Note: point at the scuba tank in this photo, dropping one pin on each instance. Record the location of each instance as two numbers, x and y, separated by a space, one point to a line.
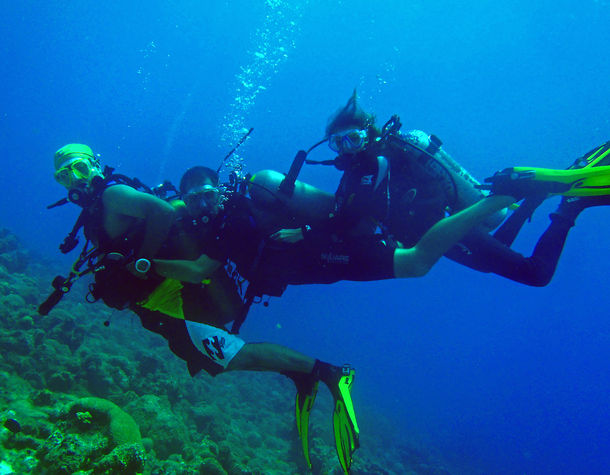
428 149
303 203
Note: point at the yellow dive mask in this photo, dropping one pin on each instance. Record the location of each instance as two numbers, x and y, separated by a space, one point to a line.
73 172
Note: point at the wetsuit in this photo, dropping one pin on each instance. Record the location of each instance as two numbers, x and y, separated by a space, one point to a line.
389 185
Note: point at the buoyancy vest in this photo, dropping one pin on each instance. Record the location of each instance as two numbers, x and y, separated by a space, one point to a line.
383 183
106 257
405 189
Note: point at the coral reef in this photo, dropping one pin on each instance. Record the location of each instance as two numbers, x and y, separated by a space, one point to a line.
77 396
12 257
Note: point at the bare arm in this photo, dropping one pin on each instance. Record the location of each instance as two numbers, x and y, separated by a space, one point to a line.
187 271
417 261
122 200
288 235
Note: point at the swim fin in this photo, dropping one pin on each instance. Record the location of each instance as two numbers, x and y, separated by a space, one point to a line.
345 426
590 181
307 389
588 176
303 405
599 156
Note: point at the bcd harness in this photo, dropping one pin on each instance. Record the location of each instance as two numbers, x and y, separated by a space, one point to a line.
237 209
390 137
89 261
97 260
390 140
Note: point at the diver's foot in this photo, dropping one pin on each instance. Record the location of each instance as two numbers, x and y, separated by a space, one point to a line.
330 375
582 202
304 382
571 206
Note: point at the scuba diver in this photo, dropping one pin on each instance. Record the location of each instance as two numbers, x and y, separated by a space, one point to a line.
134 240
232 226
215 226
248 230
403 183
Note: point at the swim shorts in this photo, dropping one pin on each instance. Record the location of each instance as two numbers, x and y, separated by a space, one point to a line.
216 344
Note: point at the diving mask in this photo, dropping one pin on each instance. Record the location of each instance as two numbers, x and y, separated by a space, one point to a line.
75 171
348 141
205 198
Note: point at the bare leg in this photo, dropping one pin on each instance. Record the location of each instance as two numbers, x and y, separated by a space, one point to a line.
418 260
270 357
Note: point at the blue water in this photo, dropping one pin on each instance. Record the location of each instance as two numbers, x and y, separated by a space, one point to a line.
498 377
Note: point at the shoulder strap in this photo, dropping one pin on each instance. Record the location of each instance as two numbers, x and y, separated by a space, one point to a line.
383 170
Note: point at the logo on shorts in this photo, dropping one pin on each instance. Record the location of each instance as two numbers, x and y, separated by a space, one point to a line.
213 347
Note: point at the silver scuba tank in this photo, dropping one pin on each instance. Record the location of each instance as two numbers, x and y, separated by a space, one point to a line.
451 174
306 203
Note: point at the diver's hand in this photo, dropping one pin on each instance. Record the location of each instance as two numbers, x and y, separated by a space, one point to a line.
288 235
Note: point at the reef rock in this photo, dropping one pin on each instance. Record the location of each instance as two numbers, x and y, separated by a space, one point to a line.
12 256
155 416
93 434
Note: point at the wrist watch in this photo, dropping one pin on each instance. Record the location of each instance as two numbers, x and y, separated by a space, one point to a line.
143 266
